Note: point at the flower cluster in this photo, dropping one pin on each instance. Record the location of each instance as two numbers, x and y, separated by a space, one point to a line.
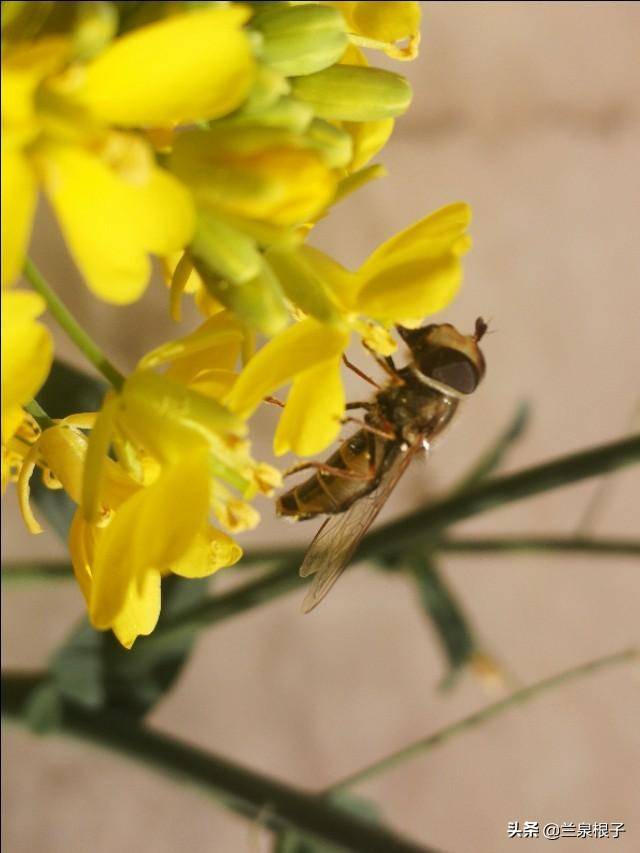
212 136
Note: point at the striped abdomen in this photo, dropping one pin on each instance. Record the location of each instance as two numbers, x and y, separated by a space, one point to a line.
361 457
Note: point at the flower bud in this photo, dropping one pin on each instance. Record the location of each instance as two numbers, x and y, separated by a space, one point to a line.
334 144
302 285
301 39
285 114
352 93
258 302
268 86
260 174
97 24
225 250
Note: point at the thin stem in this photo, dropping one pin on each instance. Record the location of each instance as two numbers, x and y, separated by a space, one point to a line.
517 698
484 544
260 798
417 529
31 572
493 493
39 415
19 572
71 326
542 544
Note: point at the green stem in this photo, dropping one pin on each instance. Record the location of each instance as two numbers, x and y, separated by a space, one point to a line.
32 572
542 544
39 415
260 798
484 544
419 529
18 572
71 326
517 698
493 493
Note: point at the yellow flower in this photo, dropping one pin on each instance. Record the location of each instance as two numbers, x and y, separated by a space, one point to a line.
384 26
147 514
161 528
63 128
27 352
414 274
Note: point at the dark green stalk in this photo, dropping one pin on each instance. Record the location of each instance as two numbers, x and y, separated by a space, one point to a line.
517 698
542 544
258 797
32 572
27 571
72 327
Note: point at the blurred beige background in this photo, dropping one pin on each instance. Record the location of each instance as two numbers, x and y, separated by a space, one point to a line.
530 111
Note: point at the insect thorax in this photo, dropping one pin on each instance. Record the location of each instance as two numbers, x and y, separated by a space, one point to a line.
415 409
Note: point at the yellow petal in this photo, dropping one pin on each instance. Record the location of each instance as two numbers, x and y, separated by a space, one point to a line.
444 226
386 23
211 550
369 137
81 548
341 282
418 271
218 341
111 224
311 418
290 353
27 352
166 418
150 531
411 290
19 193
64 451
187 67
24 67
139 615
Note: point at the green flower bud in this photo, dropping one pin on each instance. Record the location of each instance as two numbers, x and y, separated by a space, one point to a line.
354 93
268 86
225 251
301 284
96 25
286 114
301 39
334 144
259 302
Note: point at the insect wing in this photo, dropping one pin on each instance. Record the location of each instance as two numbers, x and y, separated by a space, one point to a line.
336 541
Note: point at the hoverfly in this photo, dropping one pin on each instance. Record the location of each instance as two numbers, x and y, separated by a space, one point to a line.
352 485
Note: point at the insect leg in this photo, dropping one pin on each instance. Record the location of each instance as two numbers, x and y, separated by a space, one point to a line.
389 435
386 363
363 405
360 373
273 401
343 473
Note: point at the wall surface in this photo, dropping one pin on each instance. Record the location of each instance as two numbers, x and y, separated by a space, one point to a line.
530 111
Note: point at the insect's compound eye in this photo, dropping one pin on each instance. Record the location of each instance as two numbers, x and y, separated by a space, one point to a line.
451 367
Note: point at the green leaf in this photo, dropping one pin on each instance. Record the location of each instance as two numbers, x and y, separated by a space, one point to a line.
495 454
43 711
290 841
94 670
447 617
